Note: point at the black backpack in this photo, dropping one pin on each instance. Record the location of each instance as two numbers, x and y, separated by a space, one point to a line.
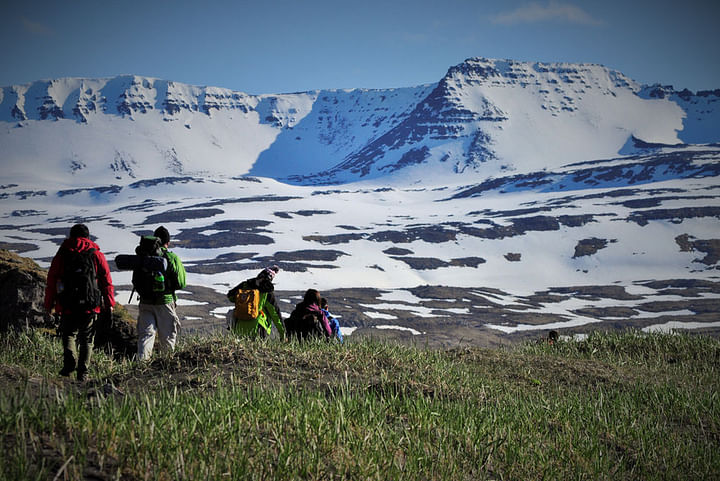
303 324
79 288
150 278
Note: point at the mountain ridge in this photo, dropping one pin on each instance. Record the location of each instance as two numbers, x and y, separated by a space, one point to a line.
130 127
174 91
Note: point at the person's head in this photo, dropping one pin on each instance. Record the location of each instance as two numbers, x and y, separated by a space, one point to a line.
79 230
323 303
268 273
552 336
163 234
312 296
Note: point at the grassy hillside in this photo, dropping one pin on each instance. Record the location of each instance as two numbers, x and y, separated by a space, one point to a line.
615 406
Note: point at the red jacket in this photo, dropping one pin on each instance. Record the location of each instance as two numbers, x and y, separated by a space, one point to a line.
102 270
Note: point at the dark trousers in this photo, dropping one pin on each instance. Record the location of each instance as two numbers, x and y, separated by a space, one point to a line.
78 334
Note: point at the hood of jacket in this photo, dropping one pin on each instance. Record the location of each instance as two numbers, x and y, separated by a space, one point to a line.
79 244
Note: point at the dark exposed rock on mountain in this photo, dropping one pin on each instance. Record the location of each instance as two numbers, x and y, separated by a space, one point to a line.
710 247
296 261
675 215
588 247
620 172
429 263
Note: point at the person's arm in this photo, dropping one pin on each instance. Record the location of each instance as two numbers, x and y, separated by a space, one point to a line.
180 271
52 278
335 325
325 324
105 280
272 309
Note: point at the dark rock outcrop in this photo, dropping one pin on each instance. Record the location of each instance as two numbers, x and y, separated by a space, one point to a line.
22 291
117 333
588 247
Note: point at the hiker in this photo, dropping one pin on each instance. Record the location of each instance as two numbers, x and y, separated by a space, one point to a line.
307 319
156 311
334 324
256 321
79 287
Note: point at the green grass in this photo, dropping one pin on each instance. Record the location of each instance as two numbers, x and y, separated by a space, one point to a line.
615 406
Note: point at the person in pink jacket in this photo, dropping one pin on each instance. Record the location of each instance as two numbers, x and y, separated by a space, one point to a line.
307 320
79 286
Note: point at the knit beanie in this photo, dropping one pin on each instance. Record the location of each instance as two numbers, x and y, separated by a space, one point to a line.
162 234
79 230
269 272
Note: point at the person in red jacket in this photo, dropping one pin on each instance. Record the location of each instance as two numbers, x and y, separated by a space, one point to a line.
79 286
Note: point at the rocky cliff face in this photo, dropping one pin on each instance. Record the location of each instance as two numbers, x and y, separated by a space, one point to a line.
125 96
22 290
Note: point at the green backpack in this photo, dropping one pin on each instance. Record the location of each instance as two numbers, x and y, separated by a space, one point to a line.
151 278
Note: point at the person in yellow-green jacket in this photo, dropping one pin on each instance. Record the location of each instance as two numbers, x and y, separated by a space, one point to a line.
268 308
156 311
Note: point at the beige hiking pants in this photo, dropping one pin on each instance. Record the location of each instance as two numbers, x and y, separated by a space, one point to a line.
156 319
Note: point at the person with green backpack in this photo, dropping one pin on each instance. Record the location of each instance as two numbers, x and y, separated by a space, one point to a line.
256 308
156 288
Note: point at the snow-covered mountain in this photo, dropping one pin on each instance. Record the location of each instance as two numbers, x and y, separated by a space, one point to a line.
492 116
485 117
128 128
537 195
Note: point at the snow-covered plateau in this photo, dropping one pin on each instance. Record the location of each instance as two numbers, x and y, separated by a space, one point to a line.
507 199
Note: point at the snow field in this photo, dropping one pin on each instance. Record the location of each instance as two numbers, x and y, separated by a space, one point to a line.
638 253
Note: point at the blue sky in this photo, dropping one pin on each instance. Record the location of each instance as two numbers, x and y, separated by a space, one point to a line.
279 46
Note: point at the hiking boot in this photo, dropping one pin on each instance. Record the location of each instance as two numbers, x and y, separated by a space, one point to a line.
82 376
65 372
